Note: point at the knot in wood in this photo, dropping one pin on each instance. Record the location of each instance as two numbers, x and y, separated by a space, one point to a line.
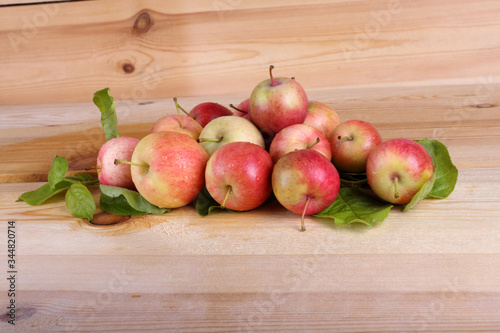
142 23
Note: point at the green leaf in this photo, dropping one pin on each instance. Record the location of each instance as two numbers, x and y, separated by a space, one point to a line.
205 204
57 171
421 194
446 173
82 178
131 203
351 206
80 202
106 104
43 193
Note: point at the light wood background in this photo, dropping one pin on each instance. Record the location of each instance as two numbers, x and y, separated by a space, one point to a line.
431 71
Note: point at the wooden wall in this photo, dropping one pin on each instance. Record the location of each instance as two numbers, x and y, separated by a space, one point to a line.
145 49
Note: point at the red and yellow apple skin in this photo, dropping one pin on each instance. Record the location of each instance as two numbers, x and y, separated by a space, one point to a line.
242 168
278 103
245 107
299 136
116 175
171 123
303 175
352 142
403 160
173 171
322 117
203 113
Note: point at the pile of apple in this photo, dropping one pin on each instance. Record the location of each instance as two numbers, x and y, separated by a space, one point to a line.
277 142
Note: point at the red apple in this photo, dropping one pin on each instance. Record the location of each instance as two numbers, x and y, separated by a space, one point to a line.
238 176
277 103
116 175
243 109
352 142
168 168
178 123
305 182
299 136
322 117
397 169
206 112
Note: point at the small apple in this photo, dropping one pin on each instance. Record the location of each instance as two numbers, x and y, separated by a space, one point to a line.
238 176
168 168
305 182
178 123
322 117
116 175
277 103
299 136
203 113
227 129
352 142
243 109
397 169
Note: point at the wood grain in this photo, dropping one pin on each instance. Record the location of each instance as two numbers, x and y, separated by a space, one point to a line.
156 49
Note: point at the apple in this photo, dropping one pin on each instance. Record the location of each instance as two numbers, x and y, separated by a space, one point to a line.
277 103
168 168
322 117
299 136
243 109
205 112
238 176
397 169
305 182
116 175
227 129
352 142
178 123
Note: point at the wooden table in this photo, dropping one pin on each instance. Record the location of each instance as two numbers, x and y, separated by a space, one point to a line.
435 268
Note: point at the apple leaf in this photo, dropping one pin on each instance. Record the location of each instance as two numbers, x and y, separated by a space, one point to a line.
446 173
80 202
421 194
351 205
57 171
106 104
205 204
122 201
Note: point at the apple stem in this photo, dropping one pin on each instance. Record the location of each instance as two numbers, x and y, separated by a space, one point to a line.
345 138
180 107
229 189
293 78
396 192
219 139
273 83
314 144
95 167
140 165
302 225
240 110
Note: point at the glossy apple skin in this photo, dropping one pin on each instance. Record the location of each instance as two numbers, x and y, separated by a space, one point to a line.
322 117
402 158
305 173
176 171
351 156
171 123
244 106
230 129
116 175
205 112
246 168
274 107
299 136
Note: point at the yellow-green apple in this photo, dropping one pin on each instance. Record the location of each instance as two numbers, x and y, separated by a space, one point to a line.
243 109
397 169
277 103
322 117
116 175
227 129
168 168
305 182
352 142
238 176
178 123
299 136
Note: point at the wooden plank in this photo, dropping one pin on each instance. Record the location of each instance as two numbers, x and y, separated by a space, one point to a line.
224 47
